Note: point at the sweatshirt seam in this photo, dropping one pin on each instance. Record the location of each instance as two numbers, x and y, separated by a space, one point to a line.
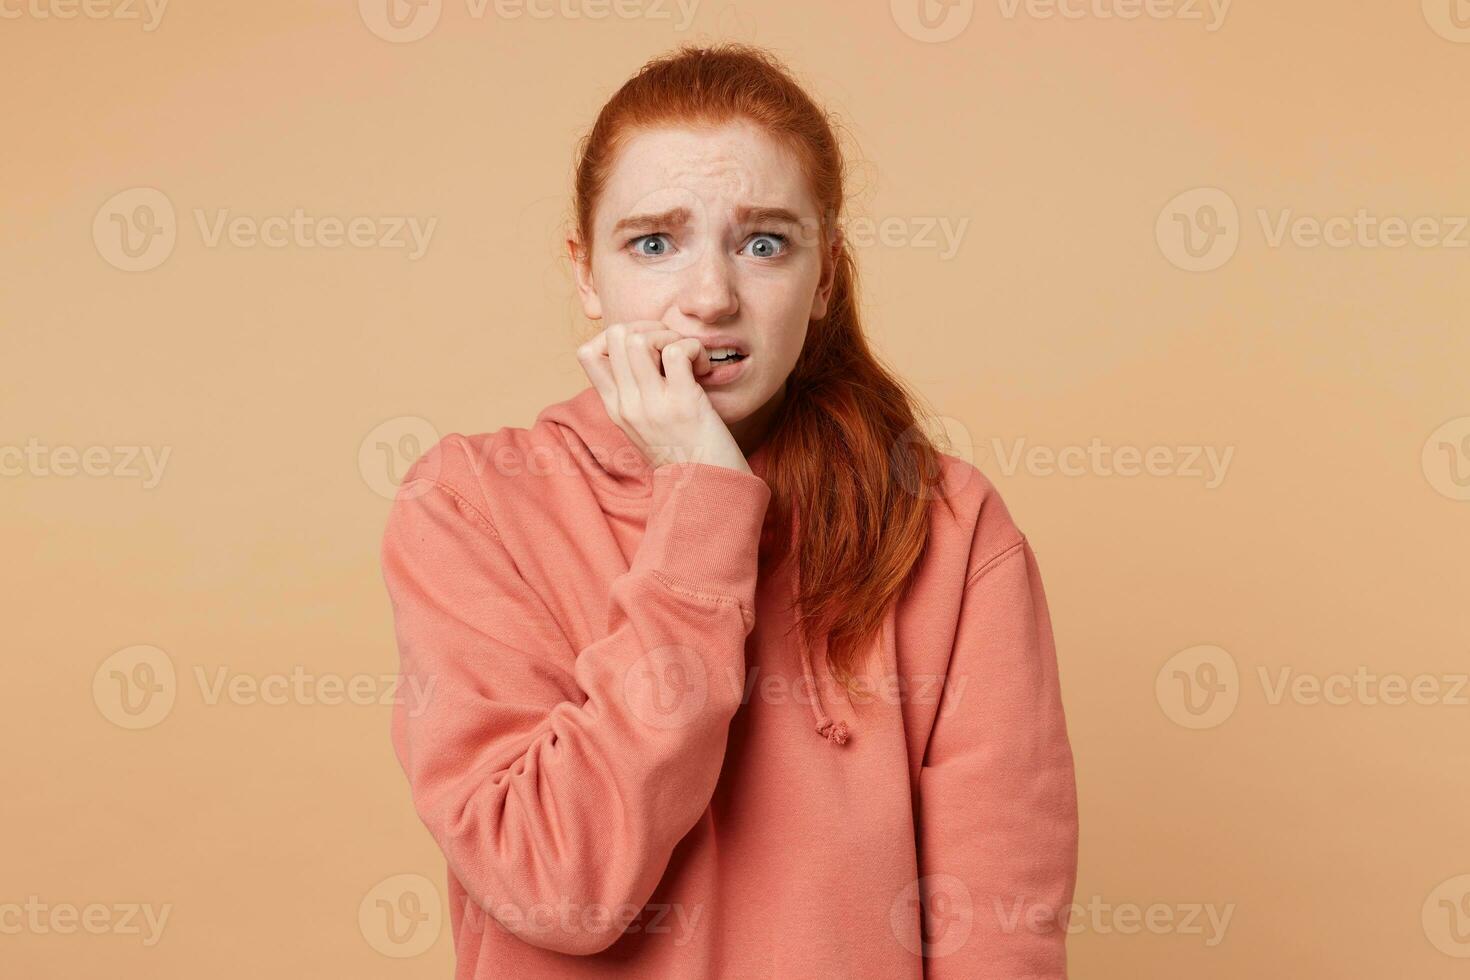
463 501
674 585
993 561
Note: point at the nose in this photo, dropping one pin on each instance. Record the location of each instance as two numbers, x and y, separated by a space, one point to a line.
708 291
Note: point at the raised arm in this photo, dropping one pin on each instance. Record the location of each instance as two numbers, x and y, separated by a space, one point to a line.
554 778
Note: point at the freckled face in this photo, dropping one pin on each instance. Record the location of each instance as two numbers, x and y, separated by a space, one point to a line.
712 231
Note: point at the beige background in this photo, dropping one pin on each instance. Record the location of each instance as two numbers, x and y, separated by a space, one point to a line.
268 817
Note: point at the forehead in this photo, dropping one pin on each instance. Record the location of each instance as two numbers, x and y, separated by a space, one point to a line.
717 166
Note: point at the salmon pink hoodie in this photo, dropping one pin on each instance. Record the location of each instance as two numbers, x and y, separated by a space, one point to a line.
634 768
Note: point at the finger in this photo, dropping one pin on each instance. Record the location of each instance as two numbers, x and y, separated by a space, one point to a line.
678 360
617 354
643 362
662 338
593 357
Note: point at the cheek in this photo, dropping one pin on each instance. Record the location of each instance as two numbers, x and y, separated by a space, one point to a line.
631 293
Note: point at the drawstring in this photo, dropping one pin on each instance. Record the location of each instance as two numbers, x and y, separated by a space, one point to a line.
835 732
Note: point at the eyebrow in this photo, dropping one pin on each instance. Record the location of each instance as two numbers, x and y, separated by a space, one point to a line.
677 217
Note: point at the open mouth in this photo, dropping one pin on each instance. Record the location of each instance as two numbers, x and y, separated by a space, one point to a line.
725 355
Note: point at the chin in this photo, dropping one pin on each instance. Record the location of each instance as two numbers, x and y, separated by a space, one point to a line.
731 406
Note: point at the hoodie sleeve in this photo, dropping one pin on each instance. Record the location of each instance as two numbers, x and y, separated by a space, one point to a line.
557 781
997 791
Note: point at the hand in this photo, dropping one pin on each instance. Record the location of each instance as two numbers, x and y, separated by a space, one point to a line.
667 415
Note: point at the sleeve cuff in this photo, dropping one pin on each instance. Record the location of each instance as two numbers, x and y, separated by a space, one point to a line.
704 527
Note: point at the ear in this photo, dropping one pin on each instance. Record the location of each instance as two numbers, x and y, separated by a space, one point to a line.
829 275
582 272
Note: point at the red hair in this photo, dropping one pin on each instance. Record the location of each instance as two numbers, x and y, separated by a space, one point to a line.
848 461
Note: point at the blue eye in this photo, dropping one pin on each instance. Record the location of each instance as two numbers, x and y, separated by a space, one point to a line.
763 247
652 239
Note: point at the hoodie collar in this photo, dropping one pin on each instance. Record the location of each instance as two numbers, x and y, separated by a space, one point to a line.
618 467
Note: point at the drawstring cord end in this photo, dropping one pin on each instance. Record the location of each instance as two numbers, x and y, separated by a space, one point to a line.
835 732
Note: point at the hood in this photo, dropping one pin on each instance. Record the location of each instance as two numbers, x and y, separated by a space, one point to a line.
618 469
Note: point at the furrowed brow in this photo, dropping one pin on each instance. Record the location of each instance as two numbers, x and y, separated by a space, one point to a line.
672 218
761 215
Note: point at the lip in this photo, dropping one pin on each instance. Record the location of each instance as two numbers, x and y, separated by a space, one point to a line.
723 374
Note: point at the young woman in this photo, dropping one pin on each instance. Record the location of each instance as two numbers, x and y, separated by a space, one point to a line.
729 673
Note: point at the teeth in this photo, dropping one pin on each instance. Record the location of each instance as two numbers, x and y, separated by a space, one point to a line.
723 353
